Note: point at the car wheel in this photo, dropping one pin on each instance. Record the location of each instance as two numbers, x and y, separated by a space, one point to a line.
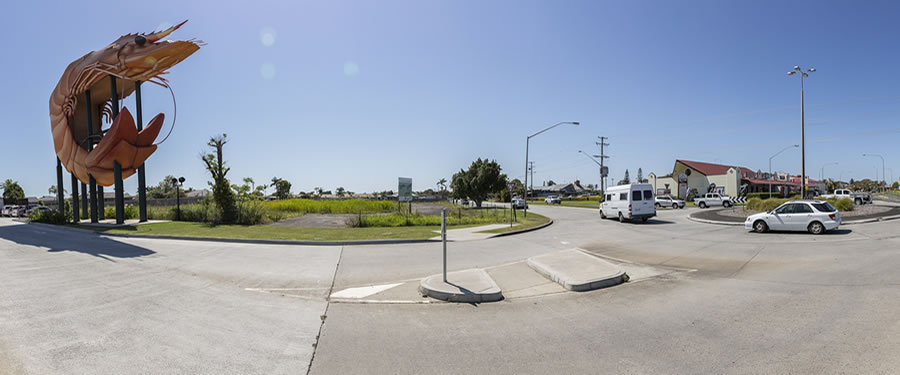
658 205
644 219
816 228
602 215
760 226
726 204
621 218
858 201
702 205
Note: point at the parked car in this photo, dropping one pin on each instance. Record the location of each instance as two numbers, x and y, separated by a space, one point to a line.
553 199
36 209
713 199
7 210
19 211
633 201
519 203
814 216
668 201
857 198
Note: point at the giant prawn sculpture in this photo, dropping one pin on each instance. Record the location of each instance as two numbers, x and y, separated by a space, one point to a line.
131 58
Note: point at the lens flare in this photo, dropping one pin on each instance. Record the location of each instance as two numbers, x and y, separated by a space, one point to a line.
351 69
267 71
267 36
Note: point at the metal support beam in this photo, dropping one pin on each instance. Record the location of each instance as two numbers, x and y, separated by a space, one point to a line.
120 199
92 184
84 201
117 168
60 196
142 179
75 215
101 203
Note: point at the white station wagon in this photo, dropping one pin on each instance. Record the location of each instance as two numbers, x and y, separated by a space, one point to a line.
813 216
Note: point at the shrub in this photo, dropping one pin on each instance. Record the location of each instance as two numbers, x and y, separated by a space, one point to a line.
843 204
131 212
251 213
349 206
50 217
761 205
454 217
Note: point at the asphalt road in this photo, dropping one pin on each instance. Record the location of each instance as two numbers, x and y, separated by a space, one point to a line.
735 302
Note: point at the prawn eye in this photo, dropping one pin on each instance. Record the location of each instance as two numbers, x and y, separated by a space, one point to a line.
140 40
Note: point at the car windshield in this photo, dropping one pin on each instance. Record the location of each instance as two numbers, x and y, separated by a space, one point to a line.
824 207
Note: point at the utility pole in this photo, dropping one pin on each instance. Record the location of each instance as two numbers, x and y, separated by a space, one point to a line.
531 170
603 173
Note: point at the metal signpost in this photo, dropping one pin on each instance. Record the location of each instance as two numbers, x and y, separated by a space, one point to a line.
404 194
444 239
512 207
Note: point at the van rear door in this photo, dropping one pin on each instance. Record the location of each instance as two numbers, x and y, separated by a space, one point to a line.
641 206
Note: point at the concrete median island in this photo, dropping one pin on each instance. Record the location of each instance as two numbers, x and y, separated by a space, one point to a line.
577 271
467 286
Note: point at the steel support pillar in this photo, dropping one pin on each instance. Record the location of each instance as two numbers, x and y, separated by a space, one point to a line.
60 196
75 206
92 184
120 199
117 168
84 201
101 203
142 179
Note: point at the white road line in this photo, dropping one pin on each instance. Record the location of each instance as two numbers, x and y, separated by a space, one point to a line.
363 292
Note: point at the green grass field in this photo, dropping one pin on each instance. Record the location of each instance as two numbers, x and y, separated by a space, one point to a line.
533 220
271 232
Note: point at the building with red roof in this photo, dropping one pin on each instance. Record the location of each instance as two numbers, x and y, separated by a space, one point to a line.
690 178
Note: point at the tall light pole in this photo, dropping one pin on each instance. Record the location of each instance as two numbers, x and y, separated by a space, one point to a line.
802 129
527 142
178 182
595 162
882 168
822 170
770 166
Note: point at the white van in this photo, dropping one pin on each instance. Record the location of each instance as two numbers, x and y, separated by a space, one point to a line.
634 201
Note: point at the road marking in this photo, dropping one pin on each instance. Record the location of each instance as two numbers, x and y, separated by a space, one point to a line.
363 292
564 242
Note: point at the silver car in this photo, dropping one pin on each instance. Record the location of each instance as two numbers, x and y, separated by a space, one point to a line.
553 199
668 201
519 203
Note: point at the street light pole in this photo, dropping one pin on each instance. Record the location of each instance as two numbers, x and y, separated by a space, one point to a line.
770 167
822 170
882 168
527 142
802 128
178 182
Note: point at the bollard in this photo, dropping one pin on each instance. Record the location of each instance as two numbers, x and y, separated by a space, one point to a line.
444 239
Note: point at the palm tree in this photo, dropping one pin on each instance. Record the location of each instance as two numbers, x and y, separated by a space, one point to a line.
442 184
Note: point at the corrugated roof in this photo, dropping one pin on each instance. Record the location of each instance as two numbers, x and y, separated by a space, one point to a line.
709 169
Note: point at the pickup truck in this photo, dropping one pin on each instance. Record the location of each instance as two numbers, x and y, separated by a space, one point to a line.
713 199
857 198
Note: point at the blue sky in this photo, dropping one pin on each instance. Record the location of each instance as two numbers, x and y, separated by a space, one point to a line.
357 93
